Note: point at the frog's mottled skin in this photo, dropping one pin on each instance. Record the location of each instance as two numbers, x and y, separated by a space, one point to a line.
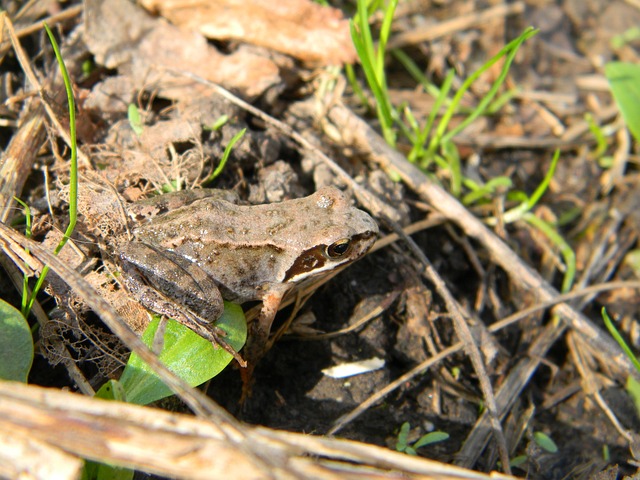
210 249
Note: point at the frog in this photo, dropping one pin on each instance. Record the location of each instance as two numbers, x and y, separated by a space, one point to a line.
192 250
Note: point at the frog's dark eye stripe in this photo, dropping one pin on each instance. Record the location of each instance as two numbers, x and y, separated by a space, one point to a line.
326 257
309 261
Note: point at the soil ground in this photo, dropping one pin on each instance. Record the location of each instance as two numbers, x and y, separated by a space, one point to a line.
556 80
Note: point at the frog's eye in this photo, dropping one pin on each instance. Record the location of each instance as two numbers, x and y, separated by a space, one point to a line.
339 248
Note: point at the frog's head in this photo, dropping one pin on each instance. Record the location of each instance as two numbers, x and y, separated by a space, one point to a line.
344 235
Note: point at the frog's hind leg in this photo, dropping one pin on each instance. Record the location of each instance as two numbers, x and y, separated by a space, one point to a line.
176 288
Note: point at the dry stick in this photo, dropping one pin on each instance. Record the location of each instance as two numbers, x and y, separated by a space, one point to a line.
568 138
496 327
181 446
590 385
359 135
17 161
51 21
35 83
463 22
196 400
471 348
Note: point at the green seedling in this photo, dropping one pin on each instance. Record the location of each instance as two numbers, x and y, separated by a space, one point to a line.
135 120
518 461
432 143
218 124
372 61
632 386
619 41
225 156
186 354
545 442
523 212
402 444
428 140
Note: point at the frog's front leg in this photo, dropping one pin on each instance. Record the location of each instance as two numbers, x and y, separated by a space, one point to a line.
173 286
258 338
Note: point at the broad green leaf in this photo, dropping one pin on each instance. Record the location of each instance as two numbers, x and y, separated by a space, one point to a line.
186 354
624 79
16 344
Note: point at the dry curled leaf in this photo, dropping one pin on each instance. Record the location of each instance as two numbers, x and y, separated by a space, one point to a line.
300 28
123 36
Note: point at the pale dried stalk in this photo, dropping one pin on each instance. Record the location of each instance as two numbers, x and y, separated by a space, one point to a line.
182 446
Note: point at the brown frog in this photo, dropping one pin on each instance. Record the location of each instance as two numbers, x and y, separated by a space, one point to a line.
201 247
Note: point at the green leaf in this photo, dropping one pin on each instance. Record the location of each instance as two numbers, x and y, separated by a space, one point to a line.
100 471
429 438
112 390
186 354
218 124
16 344
544 441
401 444
633 388
624 79
519 460
135 121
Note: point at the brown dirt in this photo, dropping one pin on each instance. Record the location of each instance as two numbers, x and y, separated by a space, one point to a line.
559 77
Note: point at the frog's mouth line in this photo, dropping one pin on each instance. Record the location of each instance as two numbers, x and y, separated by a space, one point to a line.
315 260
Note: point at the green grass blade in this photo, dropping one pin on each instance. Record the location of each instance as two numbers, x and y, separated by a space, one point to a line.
566 251
373 70
407 62
355 86
225 156
25 279
618 338
539 192
385 32
444 92
509 52
73 167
